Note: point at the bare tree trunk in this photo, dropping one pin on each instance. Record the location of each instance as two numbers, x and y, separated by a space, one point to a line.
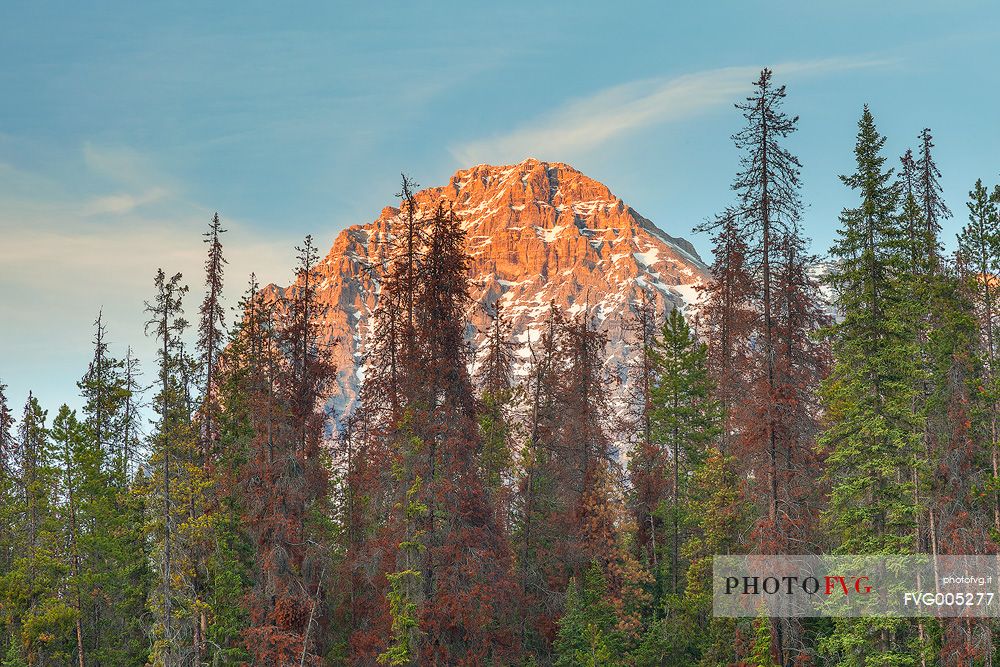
312 614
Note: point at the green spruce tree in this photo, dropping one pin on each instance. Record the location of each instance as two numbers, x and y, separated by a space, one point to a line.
684 421
588 634
872 434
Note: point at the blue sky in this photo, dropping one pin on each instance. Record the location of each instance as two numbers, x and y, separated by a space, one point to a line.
124 126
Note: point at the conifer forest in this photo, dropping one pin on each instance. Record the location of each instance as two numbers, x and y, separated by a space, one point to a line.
210 506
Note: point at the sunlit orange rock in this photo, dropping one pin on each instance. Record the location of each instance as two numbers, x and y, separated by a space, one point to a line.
536 231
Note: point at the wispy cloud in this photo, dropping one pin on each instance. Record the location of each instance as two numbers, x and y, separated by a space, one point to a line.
75 269
109 240
587 123
123 202
68 253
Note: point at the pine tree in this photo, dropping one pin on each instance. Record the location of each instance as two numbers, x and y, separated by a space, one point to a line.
211 334
702 506
588 634
195 490
928 194
726 318
913 216
69 436
204 367
684 422
583 447
645 467
37 471
535 529
569 503
870 393
802 363
463 618
872 433
769 204
762 653
375 479
168 486
959 426
103 390
760 313
406 583
495 413
130 415
286 478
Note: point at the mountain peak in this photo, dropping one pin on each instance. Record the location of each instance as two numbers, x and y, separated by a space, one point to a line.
537 232
554 183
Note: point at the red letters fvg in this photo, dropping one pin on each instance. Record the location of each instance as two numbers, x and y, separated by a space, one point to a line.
847 584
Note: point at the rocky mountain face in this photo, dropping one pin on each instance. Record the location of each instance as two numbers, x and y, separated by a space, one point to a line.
536 232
